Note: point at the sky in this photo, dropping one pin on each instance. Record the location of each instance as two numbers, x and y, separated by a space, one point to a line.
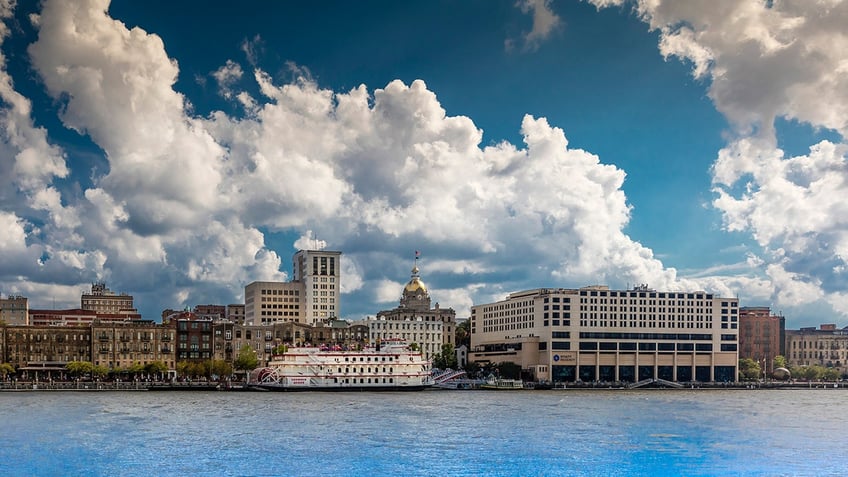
181 150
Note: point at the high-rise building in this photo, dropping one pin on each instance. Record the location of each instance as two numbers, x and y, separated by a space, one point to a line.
320 273
597 334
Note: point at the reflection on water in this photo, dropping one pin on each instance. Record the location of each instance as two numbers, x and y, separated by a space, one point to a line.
473 433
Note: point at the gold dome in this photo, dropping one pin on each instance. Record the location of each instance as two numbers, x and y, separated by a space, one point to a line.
416 285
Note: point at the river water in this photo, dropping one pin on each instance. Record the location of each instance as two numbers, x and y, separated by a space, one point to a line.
431 433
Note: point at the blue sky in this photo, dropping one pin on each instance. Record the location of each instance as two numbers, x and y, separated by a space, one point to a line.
179 151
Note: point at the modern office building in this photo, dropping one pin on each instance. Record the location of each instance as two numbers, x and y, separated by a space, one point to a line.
762 336
598 334
273 302
414 320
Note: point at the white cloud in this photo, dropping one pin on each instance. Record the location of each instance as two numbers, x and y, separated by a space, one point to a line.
764 61
309 241
185 199
545 22
227 76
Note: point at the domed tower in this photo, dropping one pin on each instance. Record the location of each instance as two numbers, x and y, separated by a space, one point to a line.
415 295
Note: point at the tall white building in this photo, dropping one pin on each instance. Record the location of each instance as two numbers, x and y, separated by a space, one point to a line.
312 297
598 334
320 273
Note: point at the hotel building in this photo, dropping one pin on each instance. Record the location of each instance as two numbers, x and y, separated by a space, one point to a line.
597 334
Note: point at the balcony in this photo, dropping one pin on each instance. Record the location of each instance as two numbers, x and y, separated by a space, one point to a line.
145 337
166 337
125 338
103 337
166 349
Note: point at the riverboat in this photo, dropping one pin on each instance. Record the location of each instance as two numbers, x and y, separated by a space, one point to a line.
388 366
502 384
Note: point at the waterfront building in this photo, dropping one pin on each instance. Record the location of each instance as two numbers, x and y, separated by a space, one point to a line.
273 302
193 336
14 310
762 336
597 334
826 346
414 320
121 345
320 273
43 351
102 300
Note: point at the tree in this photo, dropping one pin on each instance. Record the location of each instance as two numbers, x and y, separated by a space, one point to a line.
446 359
414 347
830 374
221 368
156 368
6 369
472 368
779 361
99 371
79 369
280 349
246 359
509 370
749 369
463 333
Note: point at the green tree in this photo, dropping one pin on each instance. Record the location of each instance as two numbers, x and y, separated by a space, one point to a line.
749 369
221 368
414 347
779 361
246 359
6 369
463 333
183 369
508 370
830 374
79 369
472 368
156 368
280 349
99 371
446 359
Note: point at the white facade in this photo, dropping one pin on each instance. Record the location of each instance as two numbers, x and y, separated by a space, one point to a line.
598 334
320 273
425 331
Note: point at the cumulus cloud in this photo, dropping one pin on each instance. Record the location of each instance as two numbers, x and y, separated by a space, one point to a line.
185 200
764 61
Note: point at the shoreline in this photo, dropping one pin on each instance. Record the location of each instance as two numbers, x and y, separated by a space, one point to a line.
88 386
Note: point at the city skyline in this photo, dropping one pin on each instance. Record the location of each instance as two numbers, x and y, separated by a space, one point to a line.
180 152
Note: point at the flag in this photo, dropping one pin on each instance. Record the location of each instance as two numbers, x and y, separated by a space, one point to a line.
417 254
